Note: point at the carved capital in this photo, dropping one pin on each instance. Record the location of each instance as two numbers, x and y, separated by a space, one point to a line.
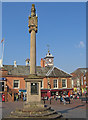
32 24
32 28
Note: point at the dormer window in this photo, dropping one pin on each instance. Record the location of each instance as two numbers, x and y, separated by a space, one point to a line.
27 62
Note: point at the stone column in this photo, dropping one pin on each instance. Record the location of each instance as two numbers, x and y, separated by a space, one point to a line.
33 52
33 30
33 80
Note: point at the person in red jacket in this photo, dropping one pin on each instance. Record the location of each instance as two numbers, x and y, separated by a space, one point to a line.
3 98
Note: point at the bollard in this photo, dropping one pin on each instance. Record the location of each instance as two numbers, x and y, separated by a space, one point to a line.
44 101
50 100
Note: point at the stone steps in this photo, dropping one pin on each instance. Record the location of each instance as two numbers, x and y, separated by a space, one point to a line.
33 109
38 113
31 114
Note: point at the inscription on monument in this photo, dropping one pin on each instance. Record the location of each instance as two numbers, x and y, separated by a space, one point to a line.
34 88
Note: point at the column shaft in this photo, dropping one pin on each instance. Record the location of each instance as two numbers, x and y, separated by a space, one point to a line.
33 52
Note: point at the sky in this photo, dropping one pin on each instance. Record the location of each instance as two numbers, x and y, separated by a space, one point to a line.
61 25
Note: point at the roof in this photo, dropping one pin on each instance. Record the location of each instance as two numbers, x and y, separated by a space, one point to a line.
57 73
80 71
49 55
22 70
27 59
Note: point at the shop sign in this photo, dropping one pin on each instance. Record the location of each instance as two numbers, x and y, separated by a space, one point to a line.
22 90
2 78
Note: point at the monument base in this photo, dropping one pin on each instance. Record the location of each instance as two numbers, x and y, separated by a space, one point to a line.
33 82
34 111
33 108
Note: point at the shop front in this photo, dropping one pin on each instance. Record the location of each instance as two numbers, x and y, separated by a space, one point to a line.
2 88
22 94
55 92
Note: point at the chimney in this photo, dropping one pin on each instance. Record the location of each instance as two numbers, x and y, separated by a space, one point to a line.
1 63
42 62
15 65
27 62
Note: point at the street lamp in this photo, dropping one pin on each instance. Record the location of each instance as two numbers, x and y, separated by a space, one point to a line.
50 91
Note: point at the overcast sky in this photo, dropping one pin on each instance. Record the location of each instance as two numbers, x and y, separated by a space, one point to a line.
62 26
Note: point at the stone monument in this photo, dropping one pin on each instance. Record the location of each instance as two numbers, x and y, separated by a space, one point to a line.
33 108
33 81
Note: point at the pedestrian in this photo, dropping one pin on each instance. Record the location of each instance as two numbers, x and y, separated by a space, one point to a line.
17 97
61 99
3 98
64 101
47 97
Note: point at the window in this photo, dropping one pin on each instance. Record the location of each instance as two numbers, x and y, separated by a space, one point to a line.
16 84
41 84
78 83
72 84
81 80
1 86
64 83
55 84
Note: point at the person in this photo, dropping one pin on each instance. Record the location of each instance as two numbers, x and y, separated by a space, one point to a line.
17 97
71 96
24 98
47 97
61 99
3 98
64 101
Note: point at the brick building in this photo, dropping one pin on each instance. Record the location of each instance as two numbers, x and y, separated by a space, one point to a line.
79 80
54 82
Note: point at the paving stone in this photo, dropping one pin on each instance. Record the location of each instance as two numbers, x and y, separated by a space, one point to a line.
76 109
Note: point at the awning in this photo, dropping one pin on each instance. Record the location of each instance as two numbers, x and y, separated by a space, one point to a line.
55 90
2 79
22 90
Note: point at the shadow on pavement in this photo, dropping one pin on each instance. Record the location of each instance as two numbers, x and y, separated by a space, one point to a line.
66 111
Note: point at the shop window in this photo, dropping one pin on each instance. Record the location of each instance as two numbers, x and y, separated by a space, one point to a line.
64 83
55 85
16 84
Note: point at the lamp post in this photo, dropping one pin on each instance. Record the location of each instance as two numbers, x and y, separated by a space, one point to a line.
6 93
50 91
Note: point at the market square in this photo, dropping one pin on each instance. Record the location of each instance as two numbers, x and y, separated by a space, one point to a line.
53 92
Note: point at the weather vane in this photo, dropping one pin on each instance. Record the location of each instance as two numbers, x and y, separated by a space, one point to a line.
48 46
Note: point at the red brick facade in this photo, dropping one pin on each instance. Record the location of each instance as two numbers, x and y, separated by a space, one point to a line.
48 84
79 78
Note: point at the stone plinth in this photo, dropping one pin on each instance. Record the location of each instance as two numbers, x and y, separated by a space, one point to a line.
33 88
